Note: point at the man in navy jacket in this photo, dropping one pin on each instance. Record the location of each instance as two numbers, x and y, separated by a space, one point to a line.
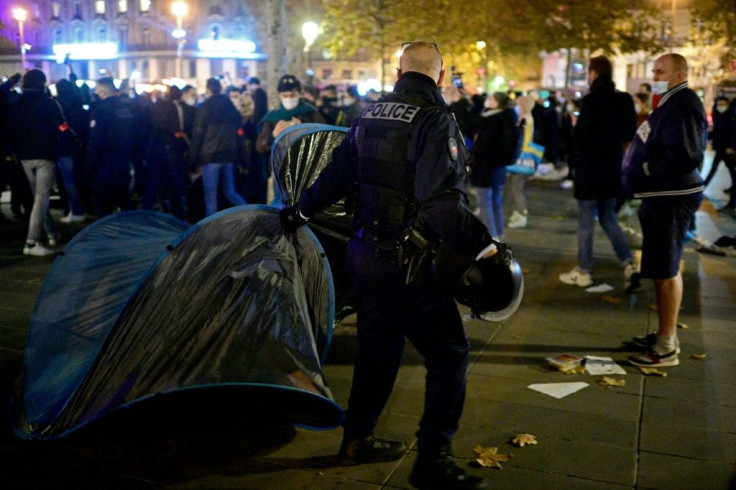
662 169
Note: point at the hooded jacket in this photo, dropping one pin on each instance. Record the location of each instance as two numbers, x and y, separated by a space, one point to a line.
606 123
215 137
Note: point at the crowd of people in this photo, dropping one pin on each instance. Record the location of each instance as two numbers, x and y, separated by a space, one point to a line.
111 149
406 163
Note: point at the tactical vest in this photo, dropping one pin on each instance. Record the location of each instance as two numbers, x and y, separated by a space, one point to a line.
385 203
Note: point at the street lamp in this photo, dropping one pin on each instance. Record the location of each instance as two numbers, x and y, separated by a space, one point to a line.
179 9
20 15
310 31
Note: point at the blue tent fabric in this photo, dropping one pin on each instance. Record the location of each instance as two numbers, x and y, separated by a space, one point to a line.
231 302
81 298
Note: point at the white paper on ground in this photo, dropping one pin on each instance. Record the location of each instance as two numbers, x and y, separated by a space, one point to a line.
601 288
558 390
602 365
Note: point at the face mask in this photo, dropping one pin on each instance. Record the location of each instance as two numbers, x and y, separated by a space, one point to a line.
659 88
290 103
721 108
190 101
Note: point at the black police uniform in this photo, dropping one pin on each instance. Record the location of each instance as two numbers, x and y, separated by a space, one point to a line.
403 161
112 148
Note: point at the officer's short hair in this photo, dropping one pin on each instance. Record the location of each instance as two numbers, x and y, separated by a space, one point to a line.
34 80
421 57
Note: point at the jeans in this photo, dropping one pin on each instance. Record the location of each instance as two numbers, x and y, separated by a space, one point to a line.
212 173
490 203
609 222
165 180
69 176
40 175
389 310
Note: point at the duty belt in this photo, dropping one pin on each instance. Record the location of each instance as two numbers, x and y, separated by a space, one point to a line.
385 247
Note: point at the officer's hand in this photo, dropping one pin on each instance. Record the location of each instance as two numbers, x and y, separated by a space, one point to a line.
291 219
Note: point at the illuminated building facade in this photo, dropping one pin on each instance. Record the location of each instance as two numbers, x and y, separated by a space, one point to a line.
142 39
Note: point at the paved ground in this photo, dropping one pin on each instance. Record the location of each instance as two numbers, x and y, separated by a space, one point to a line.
676 432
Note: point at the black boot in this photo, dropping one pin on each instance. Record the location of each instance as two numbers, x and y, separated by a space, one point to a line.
369 450
438 471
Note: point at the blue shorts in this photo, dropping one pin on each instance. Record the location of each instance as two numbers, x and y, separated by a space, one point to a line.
664 223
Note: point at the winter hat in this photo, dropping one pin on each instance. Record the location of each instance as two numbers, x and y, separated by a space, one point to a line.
287 83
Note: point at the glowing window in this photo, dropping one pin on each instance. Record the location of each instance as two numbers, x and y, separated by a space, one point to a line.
123 6
145 5
56 10
100 7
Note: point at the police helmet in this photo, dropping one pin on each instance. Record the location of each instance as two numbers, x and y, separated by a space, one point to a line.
492 287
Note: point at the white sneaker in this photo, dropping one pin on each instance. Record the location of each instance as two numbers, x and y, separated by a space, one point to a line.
73 218
566 184
37 250
577 277
517 220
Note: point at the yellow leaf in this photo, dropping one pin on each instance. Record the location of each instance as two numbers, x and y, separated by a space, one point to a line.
488 457
698 357
652 371
683 325
573 370
611 299
606 381
522 440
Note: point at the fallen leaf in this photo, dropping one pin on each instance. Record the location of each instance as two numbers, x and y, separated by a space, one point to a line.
683 325
606 381
652 371
653 306
573 370
488 457
522 440
611 299
698 357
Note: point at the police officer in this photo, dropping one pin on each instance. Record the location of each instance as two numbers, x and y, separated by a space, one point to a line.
112 148
404 159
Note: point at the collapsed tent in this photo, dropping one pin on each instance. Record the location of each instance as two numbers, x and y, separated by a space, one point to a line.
298 156
138 306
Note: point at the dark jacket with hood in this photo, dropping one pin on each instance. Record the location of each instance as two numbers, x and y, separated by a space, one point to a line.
607 122
665 156
216 136
496 146
34 125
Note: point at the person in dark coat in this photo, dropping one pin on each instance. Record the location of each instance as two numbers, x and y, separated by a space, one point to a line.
351 109
167 168
73 144
606 125
496 146
719 136
217 145
662 168
257 170
34 126
292 110
21 196
114 145
405 159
